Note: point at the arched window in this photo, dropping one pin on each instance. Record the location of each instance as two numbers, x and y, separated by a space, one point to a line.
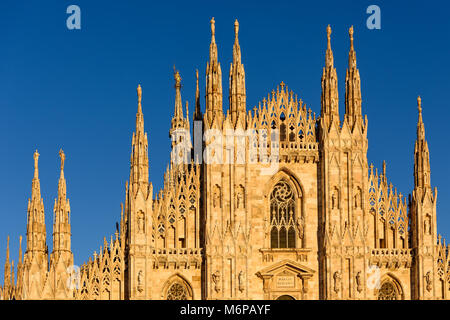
388 291
282 216
177 292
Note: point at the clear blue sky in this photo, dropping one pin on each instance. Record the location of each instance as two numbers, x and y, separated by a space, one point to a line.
77 90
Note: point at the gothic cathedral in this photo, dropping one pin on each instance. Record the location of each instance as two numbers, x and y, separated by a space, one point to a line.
290 209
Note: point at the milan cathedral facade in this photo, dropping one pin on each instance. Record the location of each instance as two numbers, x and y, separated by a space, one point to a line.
285 207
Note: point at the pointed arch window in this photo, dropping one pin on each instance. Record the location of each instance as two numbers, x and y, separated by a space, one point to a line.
282 216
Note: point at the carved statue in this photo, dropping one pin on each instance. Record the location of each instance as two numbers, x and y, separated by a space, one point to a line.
300 227
240 197
140 287
428 281
334 200
216 279
357 198
140 222
427 225
358 281
216 197
337 281
241 281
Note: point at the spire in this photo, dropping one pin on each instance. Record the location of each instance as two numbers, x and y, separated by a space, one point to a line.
213 83
237 81
421 154
180 125
329 99
197 112
329 60
178 105
7 273
61 225
139 152
352 86
36 233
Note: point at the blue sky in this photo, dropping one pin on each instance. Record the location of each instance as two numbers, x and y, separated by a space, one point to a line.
76 89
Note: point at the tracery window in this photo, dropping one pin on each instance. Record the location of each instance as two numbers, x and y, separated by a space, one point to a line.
177 292
388 291
282 216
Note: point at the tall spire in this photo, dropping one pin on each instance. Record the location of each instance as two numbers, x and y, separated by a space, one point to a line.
329 99
61 225
197 112
178 114
421 154
237 81
139 150
352 86
36 232
213 95
7 272
179 131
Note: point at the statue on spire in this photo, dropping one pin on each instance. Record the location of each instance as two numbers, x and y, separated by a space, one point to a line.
419 104
213 28
63 158
350 33
236 28
139 93
36 158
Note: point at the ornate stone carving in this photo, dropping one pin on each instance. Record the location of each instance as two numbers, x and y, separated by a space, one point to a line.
337 281
359 287
140 284
216 280
428 281
241 281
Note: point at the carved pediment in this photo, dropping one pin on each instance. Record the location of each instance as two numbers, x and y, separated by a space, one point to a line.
286 266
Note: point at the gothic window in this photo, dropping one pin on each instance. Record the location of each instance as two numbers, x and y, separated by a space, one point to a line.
388 291
282 216
177 292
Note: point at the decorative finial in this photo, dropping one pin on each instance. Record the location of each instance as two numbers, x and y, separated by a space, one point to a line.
236 28
419 104
196 75
213 28
350 32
